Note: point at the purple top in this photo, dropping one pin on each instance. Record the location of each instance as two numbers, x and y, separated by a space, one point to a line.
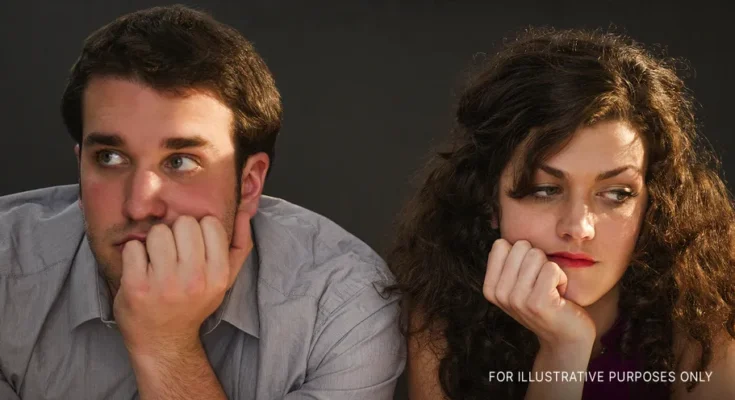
613 366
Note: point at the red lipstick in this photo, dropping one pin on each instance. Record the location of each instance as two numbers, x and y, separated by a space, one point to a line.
571 260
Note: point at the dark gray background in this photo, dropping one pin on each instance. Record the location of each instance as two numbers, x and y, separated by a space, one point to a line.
367 86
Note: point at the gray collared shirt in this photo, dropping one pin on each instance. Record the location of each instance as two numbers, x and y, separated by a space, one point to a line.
305 318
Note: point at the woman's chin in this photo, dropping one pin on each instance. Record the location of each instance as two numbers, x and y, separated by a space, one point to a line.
579 296
586 294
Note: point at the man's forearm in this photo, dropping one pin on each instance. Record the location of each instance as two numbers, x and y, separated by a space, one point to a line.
178 375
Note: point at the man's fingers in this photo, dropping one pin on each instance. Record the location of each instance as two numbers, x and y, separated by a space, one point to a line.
217 250
161 248
189 246
134 264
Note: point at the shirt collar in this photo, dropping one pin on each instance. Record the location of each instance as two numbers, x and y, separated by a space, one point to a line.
88 291
240 305
90 295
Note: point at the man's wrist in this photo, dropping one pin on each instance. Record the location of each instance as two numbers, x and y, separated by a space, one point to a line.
162 346
180 371
165 355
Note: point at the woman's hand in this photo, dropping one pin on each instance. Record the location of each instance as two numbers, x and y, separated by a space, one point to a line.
522 282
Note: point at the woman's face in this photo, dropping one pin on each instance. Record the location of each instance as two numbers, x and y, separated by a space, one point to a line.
588 203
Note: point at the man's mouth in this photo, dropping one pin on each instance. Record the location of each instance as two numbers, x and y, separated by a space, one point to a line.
121 245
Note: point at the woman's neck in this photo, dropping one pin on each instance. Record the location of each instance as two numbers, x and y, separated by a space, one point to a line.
604 312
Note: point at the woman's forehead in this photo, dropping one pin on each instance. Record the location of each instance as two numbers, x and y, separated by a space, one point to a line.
597 148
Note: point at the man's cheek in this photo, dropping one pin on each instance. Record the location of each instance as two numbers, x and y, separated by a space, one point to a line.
95 185
197 203
100 202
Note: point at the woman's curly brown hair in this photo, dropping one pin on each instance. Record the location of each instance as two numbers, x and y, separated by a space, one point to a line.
542 87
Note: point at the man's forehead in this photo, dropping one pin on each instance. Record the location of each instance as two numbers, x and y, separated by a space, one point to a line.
109 95
138 115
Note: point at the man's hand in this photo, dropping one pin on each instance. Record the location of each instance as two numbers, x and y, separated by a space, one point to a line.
170 285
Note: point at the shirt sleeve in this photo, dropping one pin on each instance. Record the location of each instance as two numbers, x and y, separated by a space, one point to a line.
359 352
6 392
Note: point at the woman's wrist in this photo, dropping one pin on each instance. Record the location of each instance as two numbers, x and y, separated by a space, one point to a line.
566 356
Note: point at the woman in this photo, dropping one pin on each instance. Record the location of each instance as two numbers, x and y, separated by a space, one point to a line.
577 222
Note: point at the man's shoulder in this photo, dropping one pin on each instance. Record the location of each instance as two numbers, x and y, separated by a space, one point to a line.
38 229
304 254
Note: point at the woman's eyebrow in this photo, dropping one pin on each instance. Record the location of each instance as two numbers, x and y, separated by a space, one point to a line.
600 177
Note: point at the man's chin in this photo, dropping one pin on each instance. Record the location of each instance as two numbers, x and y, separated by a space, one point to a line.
109 265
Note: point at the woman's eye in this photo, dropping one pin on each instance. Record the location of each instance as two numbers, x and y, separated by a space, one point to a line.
545 191
618 196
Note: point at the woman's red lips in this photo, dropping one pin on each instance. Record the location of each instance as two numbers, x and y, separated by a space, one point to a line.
571 260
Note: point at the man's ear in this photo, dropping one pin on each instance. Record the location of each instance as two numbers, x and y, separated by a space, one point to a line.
254 173
77 152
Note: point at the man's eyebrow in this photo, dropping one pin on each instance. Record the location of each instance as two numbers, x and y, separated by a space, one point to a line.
179 143
103 139
173 143
600 177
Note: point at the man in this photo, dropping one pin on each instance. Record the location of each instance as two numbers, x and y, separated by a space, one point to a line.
165 274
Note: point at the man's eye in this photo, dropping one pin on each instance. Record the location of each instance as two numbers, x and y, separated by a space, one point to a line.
109 158
182 163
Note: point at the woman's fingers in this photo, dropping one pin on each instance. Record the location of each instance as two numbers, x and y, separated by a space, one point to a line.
495 262
509 275
529 270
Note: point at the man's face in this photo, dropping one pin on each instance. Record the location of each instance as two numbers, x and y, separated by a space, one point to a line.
147 158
